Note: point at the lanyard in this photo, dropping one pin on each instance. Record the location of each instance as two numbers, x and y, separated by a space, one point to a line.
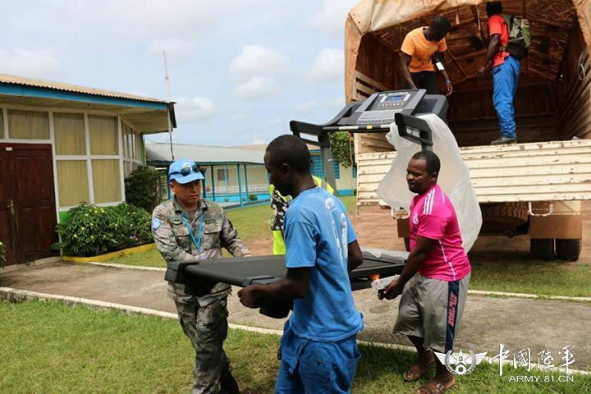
196 243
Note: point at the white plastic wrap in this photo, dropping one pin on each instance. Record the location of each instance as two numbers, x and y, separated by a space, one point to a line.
454 177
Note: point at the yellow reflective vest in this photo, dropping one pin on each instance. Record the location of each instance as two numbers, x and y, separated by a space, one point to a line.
278 242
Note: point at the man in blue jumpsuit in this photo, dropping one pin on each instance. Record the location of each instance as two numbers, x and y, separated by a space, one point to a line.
505 73
319 348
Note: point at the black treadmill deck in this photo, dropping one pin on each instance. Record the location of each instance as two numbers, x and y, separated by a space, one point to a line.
245 271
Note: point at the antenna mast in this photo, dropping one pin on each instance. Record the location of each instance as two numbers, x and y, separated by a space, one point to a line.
167 82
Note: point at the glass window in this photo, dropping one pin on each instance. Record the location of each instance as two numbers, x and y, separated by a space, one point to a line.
127 168
28 125
70 136
72 177
103 135
221 174
106 179
124 134
138 147
337 170
317 167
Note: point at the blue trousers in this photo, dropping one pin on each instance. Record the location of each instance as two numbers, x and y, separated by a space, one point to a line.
505 78
312 367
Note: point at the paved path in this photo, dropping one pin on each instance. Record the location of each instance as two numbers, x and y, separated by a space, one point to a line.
516 323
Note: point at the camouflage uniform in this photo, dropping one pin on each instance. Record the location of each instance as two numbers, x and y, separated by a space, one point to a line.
203 318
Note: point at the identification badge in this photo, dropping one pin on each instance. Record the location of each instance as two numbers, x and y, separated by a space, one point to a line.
210 221
439 66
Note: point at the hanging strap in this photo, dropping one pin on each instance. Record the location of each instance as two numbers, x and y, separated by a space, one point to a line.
198 242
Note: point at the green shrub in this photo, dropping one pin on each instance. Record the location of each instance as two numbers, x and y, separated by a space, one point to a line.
2 254
91 230
141 188
137 224
252 197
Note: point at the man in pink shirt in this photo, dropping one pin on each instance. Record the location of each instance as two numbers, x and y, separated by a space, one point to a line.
434 282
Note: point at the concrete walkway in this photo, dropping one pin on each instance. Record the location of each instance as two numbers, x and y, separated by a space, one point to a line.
515 322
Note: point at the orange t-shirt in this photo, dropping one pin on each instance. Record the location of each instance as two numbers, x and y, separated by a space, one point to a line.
421 50
497 25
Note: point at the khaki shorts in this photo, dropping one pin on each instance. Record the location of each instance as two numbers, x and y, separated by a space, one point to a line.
432 309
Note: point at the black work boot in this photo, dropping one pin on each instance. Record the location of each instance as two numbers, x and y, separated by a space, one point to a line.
229 385
504 140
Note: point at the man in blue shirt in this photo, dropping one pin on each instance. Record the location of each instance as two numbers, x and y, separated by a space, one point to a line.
319 346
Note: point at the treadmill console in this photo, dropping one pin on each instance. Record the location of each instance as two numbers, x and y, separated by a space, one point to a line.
381 108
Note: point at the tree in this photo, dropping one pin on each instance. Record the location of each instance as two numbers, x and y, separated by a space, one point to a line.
141 188
342 148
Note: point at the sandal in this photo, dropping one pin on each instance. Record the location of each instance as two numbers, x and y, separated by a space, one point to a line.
434 387
410 376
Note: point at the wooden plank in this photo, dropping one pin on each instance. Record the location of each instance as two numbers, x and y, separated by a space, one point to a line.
370 81
362 88
487 173
542 180
558 160
531 171
542 152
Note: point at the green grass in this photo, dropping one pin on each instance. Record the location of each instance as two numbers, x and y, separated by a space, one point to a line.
251 222
533 277
536 277
52 348
150 258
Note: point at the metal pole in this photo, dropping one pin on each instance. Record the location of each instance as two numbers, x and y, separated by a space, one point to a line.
239 186
212 184
246 181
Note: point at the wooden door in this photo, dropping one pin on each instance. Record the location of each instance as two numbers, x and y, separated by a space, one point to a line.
27 202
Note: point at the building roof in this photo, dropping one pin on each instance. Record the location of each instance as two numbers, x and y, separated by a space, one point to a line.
147 115
203 154
38 83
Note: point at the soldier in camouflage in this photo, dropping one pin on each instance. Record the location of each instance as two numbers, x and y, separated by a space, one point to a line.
188 228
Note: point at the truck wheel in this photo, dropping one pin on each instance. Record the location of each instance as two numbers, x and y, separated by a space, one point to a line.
503 216
542 249
407 244
568 249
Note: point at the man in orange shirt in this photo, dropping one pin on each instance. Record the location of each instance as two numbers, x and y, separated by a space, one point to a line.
417 56
505 73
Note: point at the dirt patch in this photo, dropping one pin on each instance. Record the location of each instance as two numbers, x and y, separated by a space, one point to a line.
375 228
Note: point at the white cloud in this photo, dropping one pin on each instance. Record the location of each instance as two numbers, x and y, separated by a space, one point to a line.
306 107
257 87
154 18
27 63
193 109
338 102
328 66
176 49
274 121
257 60
238 117
331 19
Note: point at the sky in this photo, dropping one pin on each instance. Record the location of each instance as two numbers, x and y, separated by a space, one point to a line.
239 70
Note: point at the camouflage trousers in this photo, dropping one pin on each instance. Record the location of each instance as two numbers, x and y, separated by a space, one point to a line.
207 328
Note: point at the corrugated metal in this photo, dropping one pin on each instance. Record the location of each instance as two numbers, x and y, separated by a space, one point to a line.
11 79
548 171
204 154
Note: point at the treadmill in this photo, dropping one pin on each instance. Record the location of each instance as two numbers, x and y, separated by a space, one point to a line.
375 114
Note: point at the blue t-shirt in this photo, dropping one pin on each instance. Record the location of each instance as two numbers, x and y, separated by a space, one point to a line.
317 235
